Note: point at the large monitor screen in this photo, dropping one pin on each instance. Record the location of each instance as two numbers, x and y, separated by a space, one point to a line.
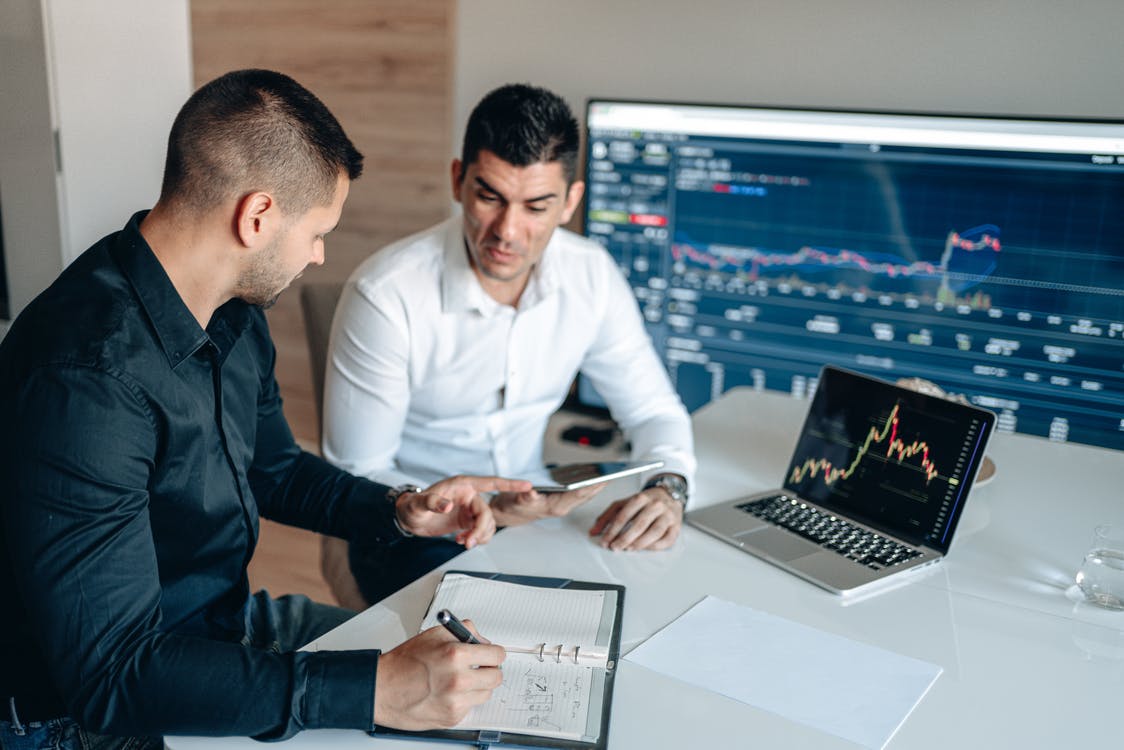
983 254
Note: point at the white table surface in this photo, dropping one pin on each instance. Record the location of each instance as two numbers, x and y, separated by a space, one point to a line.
1025 663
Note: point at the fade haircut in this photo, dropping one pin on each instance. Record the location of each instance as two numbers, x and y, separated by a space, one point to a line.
523 125
253 130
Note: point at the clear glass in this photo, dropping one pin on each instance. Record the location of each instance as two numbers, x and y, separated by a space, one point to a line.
1101 577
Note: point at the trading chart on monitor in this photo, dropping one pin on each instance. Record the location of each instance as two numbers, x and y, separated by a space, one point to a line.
983 254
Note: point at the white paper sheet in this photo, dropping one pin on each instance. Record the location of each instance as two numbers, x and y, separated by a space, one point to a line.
849 689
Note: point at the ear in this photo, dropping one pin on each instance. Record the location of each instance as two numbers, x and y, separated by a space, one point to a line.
456 173
254 218
573 198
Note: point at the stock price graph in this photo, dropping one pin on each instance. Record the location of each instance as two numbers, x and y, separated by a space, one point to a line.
896 449
902 449
890 457
966 259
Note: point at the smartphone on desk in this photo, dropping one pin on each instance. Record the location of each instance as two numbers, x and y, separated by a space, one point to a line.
566 477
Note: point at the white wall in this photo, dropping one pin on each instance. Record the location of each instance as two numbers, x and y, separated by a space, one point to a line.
1029 57
109 77
121 71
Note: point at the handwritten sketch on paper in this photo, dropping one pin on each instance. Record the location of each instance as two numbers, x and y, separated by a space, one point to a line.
538 698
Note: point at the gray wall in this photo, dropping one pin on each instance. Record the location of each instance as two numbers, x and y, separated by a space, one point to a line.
1030 57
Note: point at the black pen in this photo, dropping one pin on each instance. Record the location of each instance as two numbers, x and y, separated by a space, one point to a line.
456 627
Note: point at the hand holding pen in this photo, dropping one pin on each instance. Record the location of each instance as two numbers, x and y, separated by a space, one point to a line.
427 682
456 627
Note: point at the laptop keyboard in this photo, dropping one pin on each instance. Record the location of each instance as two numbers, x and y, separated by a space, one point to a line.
865 547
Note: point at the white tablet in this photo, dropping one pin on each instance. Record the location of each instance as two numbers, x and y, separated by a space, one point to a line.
566 477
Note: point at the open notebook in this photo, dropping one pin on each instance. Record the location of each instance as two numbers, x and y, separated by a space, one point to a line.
563 641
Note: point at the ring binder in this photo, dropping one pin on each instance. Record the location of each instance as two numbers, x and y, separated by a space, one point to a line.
575 654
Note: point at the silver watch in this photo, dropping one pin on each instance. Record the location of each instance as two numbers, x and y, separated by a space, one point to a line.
392 495
675 485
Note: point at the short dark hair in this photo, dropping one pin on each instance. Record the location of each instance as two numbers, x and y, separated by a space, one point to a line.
256 130
523 125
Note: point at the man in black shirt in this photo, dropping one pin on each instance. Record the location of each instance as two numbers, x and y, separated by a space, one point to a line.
142 439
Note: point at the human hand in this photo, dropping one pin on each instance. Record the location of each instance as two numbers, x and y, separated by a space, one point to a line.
455 505
432 680
650 519
516 508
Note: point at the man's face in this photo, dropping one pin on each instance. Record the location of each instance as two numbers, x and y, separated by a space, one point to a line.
297 243
510 214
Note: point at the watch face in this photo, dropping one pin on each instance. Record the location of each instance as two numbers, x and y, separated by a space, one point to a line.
676 486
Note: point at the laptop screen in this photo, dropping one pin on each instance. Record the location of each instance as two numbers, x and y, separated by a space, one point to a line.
897 460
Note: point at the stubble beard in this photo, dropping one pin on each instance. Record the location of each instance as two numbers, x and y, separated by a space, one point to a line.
263 282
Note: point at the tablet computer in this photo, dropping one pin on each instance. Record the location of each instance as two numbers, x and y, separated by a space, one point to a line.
566 477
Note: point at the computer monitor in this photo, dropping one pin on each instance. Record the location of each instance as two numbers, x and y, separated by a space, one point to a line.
983 254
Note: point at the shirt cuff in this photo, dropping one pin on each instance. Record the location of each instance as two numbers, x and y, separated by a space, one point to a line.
371 517
332 690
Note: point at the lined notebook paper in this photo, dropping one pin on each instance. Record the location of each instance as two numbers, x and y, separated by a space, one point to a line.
849 689
551 696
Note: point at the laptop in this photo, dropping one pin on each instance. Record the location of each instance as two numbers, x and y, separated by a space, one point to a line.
874 490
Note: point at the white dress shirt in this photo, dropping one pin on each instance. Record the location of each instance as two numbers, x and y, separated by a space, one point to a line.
428 376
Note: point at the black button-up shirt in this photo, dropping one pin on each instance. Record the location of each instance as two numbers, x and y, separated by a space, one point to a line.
137 451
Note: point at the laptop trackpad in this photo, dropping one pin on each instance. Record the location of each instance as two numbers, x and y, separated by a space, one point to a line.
778 544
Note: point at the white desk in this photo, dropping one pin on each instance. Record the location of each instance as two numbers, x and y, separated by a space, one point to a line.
1025 665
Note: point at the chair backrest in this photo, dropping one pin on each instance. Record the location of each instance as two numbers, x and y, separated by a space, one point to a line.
318 307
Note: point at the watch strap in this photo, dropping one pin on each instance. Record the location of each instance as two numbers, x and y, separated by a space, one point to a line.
673 484
392 495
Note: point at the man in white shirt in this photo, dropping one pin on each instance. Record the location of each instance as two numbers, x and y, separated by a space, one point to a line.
451 348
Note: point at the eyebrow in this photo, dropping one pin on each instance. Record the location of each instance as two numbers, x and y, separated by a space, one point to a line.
484 184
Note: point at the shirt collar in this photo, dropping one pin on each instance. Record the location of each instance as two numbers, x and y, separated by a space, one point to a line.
546 278
176 328
461 290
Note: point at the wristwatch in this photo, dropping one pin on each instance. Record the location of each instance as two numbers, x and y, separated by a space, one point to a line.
675 485
392 495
